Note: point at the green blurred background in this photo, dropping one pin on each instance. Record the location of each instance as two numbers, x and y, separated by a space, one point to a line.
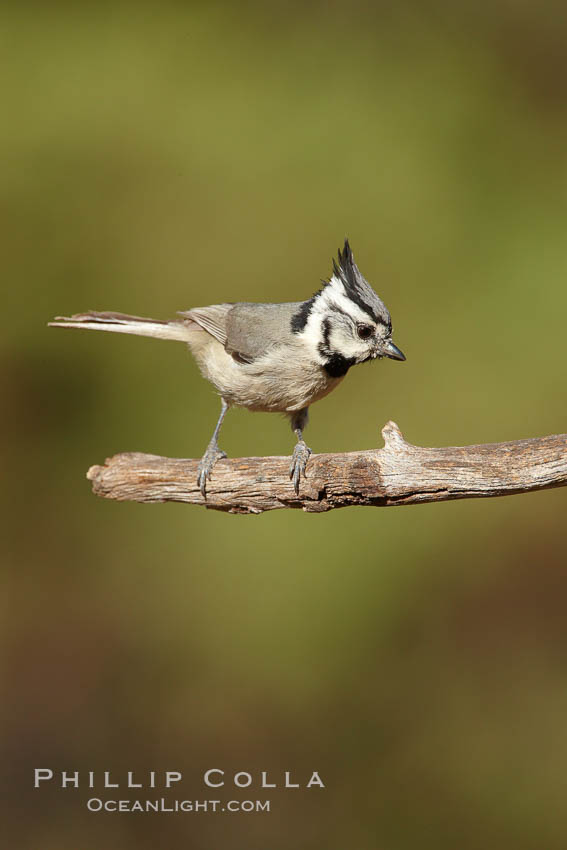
158 157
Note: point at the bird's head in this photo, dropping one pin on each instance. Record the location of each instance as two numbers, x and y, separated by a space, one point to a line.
345 321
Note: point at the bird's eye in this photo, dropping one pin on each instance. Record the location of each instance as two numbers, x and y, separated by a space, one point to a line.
364 331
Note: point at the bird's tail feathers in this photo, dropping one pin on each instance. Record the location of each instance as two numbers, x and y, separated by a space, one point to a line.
121 323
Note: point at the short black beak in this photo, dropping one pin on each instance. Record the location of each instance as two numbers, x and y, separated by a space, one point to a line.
393 352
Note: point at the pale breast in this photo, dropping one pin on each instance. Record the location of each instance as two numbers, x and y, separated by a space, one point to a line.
283 380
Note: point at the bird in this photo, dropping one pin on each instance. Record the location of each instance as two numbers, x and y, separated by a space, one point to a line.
272 357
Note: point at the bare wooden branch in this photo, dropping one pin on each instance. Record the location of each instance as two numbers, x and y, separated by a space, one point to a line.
398 474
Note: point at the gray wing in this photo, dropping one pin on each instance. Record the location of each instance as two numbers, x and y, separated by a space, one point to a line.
211 319
247 331
252 329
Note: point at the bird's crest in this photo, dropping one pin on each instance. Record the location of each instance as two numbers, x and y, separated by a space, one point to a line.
357 287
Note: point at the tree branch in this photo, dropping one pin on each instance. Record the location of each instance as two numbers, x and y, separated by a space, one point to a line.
398 474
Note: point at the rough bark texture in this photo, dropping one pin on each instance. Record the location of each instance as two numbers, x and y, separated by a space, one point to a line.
398 474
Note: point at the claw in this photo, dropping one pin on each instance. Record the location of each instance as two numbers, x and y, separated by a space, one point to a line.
299 460
205 468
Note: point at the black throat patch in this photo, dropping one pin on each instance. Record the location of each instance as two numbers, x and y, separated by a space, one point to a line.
337 366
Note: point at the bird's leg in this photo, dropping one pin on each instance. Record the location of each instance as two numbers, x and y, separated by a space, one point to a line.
301 452
212 454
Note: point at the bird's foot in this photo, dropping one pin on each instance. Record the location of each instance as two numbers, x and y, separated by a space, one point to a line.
299 460
206 464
